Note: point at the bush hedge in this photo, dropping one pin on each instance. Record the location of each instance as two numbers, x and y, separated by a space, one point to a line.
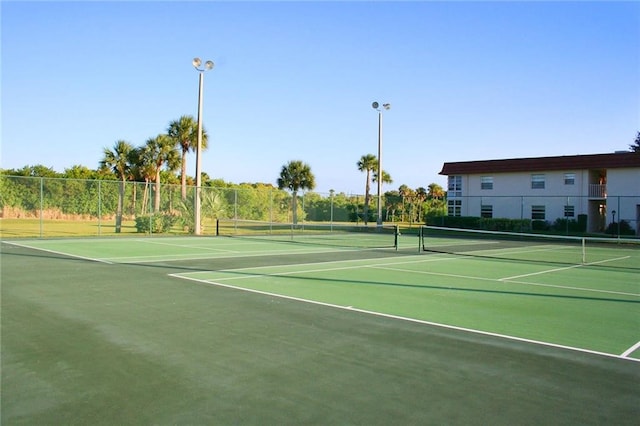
620 228
155 223
483 223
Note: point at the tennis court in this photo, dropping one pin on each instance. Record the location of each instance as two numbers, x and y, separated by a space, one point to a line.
254 329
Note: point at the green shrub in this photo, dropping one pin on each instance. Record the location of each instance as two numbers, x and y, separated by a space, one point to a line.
620 228
156 223
506 225
573 226
466 222
540 225
482 223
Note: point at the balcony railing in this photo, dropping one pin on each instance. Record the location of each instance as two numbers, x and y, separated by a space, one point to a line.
597 191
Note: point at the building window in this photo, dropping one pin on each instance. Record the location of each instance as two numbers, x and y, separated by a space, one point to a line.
486 211
569 211
537 181
569 178
538 212
454 207
454 186
486 182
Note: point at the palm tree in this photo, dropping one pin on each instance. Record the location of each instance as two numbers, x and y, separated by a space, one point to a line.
407 197
135 174
162 152
368 163
295 176
118 161
144 171
386 177
184 132
435 191
421 197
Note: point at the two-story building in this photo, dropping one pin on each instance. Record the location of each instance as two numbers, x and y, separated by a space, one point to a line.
604 187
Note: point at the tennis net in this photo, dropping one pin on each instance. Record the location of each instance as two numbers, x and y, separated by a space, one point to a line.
544 248
337 235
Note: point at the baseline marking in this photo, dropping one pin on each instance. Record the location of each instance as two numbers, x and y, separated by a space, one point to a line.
59 252
407 319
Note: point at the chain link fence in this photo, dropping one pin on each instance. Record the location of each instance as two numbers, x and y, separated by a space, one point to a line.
38 207
43 207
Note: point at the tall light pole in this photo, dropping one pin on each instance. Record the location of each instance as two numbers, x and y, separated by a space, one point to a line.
376 106
207 66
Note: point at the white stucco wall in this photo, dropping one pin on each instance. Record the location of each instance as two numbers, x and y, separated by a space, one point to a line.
623 196
513 197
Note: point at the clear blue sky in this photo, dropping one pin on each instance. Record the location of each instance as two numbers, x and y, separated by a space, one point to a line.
295 81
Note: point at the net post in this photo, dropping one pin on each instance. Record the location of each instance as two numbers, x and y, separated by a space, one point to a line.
217 227
420 238
584 251
396 233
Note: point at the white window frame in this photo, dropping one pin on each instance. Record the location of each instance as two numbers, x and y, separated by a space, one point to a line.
454 207
569 211
486 182
537 181
538 212
486 210
454 186
569 178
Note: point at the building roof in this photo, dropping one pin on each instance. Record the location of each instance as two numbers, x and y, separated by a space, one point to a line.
538 164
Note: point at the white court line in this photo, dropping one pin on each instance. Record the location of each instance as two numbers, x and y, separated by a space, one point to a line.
196 247
566 287
407 319
441 274
619 293
60 253
629 351
304 271
387 267
563 269
233 255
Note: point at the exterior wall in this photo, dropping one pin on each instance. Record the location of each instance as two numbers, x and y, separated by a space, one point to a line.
623 182
602 184
623 196
512 195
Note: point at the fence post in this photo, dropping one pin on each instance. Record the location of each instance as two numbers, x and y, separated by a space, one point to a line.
41 207
331 209
619 216
235 203
99 207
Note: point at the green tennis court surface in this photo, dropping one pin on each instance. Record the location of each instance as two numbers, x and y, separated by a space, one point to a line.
225 330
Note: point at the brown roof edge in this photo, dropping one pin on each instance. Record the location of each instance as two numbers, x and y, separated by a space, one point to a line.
569 162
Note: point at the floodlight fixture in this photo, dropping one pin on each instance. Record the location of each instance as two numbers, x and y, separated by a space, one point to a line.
197 62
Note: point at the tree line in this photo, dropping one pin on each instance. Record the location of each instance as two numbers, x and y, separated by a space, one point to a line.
158 160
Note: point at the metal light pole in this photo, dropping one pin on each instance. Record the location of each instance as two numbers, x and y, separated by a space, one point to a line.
376 106
207 66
